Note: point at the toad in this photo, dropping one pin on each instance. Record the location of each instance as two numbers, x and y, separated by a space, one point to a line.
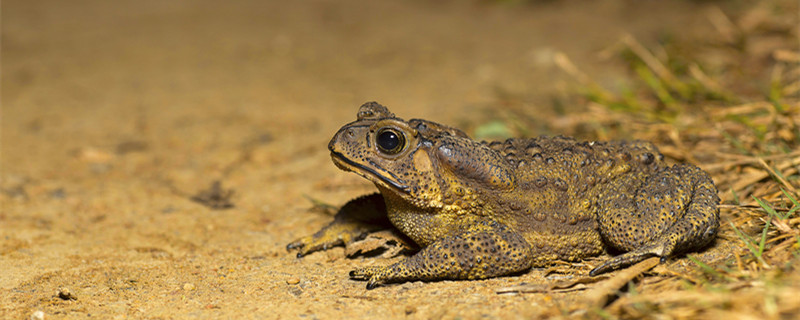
479 210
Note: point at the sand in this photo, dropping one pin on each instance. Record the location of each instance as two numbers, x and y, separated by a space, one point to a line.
115 113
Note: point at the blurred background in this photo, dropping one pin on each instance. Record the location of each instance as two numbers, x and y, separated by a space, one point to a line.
116 114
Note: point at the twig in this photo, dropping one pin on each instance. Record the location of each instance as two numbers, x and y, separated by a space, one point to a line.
650 60
777 175
599 295
723 24
758 176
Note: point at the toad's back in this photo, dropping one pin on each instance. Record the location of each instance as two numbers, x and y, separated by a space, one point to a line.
558 184
573 197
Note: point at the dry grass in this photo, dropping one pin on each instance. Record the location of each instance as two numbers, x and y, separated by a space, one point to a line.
730 103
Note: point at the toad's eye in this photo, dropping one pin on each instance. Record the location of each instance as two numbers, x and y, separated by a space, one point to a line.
390 141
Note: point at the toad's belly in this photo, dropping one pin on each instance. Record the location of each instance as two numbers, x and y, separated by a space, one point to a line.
548 247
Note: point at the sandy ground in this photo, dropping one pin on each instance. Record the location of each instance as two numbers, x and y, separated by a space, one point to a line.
115 112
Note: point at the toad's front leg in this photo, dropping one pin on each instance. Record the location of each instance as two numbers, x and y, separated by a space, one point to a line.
484 251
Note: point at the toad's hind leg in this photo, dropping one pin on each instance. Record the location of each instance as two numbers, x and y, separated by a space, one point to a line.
671 211
354 220
485 250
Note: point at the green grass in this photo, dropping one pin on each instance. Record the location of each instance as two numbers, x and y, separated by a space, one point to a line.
756 247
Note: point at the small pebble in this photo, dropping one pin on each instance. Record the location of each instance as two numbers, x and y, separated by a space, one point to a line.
37 315
410 309
293 280
65 294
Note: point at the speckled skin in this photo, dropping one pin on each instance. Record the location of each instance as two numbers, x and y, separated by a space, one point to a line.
482 210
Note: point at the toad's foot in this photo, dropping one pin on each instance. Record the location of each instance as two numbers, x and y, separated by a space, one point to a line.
335 234
487 250
353 221
629 258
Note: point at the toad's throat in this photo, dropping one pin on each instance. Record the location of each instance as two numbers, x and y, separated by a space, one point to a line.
348 165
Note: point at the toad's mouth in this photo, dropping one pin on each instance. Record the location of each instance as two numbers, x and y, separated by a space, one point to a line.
371 174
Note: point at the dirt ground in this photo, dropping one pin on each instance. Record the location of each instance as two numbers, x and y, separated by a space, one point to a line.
115 113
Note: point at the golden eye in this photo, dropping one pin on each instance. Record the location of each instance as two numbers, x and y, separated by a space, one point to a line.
390 141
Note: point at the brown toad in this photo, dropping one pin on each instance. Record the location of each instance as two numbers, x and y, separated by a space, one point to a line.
481 210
